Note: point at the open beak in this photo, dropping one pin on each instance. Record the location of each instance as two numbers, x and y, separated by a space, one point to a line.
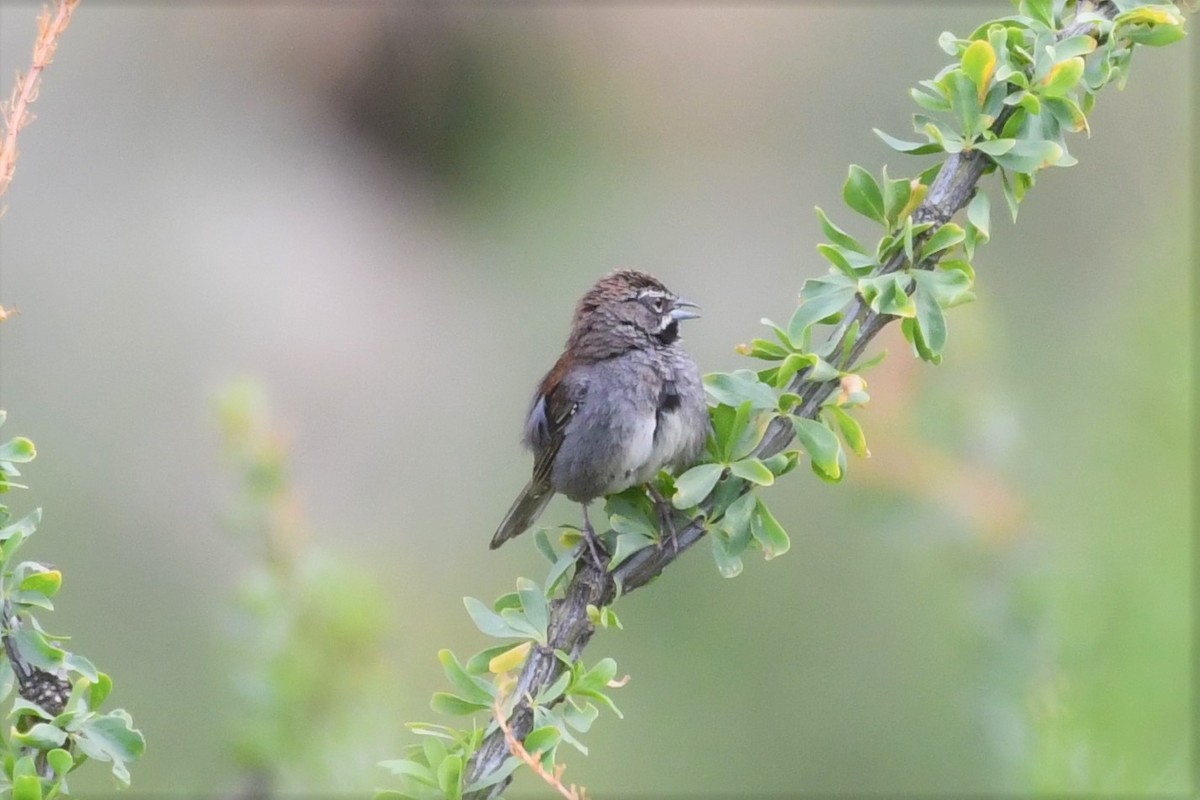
681 310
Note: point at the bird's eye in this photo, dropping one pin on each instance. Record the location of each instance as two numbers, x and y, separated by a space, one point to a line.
657 304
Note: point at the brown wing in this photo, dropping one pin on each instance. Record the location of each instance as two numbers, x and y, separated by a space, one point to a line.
553 408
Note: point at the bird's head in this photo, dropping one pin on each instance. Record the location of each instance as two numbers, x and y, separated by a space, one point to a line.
631 309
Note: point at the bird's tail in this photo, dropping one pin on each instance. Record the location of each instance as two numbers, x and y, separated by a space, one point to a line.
525 510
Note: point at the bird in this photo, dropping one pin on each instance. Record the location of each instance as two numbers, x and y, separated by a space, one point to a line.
622 402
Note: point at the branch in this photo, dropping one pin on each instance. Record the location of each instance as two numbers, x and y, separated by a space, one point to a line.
16 111
569 627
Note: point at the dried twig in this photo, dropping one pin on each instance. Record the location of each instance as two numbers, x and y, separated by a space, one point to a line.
515 747
15 112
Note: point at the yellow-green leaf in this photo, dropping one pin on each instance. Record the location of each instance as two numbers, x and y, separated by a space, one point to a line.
510 659
979 62
1063 77
851 430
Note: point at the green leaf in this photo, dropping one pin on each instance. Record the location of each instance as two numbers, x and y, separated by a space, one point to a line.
76 663
635 525
533 602
61 761
694 485
728 564
1069 115
728 424
752 434
942 239
489 622
41 736
18 450
542 740
862 194
888 294
112 737
1029 155
768 532
928 101
736 523
597 678
630 543
22 528
753 470
541 538
580 717
25 786
48 582
410 769
24 708
735 388
435 749
472 688
1010 196
851 430
1153 26
565 563
782 463
555 690
994 147
965 102
780 333
1040 10
949 285
821 298
896 192
912 148
455 706
848 262
1074 46
979 212
98 690
38 650
821 445
790 366
930 319
949 43
517 620
449 776
838 236
764 349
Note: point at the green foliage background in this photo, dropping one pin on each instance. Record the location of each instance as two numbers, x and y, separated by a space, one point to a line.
386 218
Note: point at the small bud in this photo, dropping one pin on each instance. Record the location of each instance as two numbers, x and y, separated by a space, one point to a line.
851 384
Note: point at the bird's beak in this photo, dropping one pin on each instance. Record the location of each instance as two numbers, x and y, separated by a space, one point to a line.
680 311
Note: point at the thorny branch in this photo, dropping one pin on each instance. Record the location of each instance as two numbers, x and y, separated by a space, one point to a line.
569 628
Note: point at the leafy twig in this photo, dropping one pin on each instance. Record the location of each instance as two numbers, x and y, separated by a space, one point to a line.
569 626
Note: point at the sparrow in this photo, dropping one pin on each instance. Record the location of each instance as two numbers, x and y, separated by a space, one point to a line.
623 401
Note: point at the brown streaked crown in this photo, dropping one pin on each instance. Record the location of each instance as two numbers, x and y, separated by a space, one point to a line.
618 285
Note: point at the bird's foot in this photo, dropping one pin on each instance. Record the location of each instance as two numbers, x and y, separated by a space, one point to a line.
666 525
594 545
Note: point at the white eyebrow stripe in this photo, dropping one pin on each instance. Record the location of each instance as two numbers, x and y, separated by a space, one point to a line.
652 293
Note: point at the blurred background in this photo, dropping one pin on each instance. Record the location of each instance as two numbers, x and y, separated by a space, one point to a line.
381 216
